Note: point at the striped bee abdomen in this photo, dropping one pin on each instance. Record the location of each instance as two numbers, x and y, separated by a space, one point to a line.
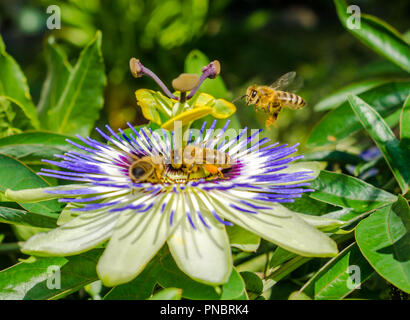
290 100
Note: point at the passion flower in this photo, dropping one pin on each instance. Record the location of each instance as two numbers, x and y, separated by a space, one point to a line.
190 214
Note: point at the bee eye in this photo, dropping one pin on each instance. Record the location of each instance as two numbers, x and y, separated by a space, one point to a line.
253 95
137 172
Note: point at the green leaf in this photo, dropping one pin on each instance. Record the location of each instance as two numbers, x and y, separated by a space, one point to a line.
385 140
280 256
253 284
405 123
346 214
336 98
138 289
39 280
378 36
234 288
82 98
194 63
59 70
243 239
32 147
284 270
342 122
340 276
384 239
349 192
22 217
14 88
308 205
16 176
333 156
167 294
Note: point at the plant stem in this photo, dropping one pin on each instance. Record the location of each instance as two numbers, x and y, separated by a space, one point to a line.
9 247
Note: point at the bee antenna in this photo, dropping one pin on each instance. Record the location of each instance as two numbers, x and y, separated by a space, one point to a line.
238 98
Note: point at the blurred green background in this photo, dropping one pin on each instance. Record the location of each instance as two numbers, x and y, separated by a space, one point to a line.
256 42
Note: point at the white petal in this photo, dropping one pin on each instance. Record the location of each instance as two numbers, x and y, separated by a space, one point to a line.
136 239
283 227
204 254
76 236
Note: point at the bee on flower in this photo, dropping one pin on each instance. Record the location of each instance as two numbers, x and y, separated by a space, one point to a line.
143 189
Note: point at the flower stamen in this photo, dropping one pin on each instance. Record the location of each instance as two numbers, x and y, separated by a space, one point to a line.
138 70
210 71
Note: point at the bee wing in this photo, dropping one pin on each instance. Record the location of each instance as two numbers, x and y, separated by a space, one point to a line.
289 82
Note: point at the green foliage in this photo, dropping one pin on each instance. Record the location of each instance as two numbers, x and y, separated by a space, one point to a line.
22 217
17 109
378 106
335 280
253 284
82 97
139 288
36 280
171 276
243 239
342 121
384 239
15 175
59 71
405 124
385 140
335 99
163 271
33 146
378 36
348 192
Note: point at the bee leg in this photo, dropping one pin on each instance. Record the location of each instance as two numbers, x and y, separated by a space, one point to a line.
189 170
271 121
214 170
273 117
158 173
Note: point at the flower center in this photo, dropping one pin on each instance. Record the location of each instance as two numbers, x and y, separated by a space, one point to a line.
158 171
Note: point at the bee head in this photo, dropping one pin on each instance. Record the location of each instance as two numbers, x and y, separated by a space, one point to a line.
251 95
141 170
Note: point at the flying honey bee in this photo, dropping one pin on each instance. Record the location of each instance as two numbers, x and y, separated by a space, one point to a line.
278 95
188 162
